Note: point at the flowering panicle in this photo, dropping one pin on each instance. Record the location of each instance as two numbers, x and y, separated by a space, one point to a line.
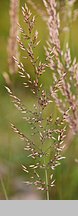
12 43
66 83
65 73
45 144
39 10
44 147
53 45
53 23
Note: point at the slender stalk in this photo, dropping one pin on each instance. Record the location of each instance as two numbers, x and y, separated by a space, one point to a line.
46 177
46 180
4 189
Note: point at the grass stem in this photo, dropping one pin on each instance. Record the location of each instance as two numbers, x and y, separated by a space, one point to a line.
46 180
3 187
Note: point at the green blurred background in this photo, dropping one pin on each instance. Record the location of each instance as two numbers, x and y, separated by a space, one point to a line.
12 153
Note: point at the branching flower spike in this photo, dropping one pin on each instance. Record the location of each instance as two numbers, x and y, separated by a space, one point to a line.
45 144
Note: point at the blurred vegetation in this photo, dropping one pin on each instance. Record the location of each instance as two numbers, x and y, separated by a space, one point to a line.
12 153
